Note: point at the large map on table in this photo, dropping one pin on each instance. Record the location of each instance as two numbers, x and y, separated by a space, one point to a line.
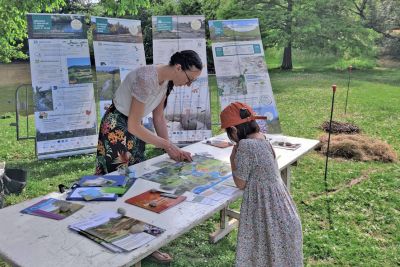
197 176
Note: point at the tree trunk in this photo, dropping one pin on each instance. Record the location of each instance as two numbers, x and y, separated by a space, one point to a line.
287 58
287 53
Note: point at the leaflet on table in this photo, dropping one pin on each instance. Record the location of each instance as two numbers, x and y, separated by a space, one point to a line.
116 230
91 193
53 208
201 200
213 195
118 49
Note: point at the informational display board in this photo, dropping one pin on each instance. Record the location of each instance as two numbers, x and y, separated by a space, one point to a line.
188 111
118 49
240 68
65 108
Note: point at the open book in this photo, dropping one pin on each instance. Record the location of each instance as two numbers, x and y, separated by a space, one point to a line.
116 232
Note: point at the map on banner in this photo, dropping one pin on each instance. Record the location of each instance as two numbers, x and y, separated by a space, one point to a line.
188 111
118 49
197 176
240 68
65 107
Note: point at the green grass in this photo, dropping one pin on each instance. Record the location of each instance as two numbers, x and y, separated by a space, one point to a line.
303 60
366 216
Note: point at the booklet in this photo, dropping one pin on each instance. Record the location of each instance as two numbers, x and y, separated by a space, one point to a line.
53 208
103 180
116 232
219 142
156 201
118 184
91 193
285 145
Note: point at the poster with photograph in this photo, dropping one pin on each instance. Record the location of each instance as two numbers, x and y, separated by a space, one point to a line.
240 68
188 111
65 108
118 49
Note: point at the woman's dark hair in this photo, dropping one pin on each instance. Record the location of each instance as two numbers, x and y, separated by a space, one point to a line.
244 129
187 59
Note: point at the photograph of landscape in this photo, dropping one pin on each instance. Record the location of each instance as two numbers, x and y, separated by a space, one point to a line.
236 30
117 30
79 70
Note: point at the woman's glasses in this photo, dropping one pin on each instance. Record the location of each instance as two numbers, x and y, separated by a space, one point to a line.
190 81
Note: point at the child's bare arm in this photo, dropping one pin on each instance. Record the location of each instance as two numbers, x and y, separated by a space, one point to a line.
241 184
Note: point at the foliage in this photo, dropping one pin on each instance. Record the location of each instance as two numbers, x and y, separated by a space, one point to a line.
124 7
317 25
13 30
383 17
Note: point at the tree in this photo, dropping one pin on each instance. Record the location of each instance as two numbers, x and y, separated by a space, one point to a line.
383 17
13 30
118 8
313 25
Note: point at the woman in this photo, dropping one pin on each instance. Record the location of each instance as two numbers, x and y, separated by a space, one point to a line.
122 136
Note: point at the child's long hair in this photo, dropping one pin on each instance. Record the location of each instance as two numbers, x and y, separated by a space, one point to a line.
187 59
244 129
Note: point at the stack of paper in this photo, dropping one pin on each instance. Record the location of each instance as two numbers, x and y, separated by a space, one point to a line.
102 188
116 232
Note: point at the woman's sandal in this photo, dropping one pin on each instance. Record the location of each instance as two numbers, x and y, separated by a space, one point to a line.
161 257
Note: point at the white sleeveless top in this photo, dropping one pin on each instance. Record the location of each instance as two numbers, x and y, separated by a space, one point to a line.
141 83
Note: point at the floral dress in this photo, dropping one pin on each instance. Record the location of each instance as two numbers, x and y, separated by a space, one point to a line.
270 231
116 145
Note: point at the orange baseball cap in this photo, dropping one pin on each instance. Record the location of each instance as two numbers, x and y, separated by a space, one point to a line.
230 116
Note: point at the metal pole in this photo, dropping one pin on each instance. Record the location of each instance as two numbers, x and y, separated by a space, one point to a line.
348 87
26 110
17 112
326 161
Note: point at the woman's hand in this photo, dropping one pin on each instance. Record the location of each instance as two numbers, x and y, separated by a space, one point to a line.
178 154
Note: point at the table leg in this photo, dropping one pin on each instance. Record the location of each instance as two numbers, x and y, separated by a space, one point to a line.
285 174
225 226
138 264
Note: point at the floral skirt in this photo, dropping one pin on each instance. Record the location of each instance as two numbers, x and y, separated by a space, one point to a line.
116 146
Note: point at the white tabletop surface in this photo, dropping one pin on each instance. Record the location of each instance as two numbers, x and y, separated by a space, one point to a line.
27 240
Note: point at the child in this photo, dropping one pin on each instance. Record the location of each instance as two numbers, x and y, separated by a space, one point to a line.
269 227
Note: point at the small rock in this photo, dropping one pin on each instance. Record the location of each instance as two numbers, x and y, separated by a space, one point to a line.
121 211
153 204
137 228
65 207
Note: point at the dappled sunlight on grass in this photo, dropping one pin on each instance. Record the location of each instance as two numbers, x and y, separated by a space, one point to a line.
365 214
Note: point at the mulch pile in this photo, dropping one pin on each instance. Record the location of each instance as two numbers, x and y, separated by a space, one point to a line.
340 127
357 147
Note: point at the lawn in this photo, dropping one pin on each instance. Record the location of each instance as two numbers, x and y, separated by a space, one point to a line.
366 216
